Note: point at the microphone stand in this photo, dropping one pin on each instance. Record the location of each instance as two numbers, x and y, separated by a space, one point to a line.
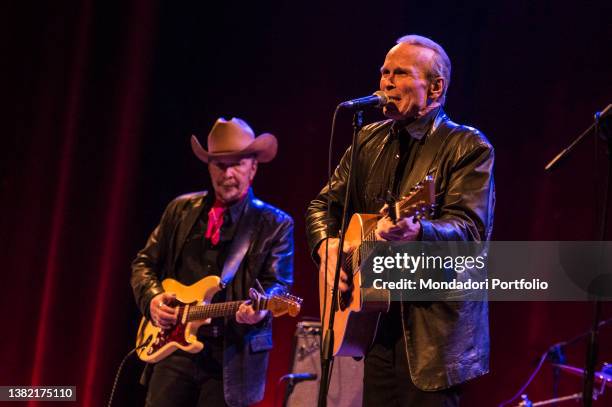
593 345
327 349
291 382
557 356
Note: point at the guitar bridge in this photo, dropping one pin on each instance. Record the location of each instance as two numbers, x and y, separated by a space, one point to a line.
375 300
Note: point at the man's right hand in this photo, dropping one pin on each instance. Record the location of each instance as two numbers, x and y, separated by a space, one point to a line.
162 314
331 263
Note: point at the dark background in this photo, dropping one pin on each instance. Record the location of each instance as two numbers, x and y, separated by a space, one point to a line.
99 100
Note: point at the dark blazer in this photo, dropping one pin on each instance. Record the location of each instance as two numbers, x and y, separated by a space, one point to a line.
268 257
447 343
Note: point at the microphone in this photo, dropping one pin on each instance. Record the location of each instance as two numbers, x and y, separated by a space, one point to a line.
294 378
377 99
604 114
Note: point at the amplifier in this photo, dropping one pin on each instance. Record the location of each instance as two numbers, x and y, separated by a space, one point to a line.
346 384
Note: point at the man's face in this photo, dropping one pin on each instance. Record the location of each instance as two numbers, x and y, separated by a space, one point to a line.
231 177
404 80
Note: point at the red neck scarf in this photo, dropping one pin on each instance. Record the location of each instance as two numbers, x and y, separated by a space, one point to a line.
215 221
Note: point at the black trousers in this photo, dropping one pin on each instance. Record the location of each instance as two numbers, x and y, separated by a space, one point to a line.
189 380
387 381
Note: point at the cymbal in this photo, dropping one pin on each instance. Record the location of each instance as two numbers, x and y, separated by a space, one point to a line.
604 375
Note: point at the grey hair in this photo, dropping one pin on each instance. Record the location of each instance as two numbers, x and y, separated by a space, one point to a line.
440 64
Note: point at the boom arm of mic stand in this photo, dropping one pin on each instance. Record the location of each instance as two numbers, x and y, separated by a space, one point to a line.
553 163
599 118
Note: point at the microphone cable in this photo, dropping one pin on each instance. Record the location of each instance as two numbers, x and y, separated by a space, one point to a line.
543 358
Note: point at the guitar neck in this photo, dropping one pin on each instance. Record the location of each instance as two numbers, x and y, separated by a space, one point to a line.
404 209
222 309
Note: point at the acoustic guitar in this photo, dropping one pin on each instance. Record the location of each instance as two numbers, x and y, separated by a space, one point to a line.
194 310
358 310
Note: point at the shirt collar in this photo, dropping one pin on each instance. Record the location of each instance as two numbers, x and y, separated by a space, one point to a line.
235 209
419 127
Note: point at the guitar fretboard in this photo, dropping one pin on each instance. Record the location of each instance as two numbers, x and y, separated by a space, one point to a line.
223 309
409 206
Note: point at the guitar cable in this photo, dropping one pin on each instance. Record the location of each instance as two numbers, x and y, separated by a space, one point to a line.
125 358
118 374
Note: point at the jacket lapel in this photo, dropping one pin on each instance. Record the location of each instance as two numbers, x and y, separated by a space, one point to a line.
425 161
189 218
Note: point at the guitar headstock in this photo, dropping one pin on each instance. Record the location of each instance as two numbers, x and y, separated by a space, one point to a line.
277 304
419 203
284 304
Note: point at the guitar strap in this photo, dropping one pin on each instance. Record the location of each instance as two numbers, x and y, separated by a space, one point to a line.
242 239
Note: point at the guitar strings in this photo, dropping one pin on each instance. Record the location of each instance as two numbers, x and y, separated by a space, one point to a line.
367 244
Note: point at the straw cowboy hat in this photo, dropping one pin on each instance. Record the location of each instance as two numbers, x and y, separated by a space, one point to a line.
234 138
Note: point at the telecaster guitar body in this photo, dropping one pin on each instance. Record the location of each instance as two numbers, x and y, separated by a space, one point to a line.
194 308
183 335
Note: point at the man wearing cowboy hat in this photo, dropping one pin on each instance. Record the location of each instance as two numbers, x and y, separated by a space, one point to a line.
230 234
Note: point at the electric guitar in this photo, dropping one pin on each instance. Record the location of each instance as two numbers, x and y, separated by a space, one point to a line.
358 309
194 310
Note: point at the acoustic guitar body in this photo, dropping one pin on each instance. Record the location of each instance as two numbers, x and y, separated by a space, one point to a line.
358 310
354 324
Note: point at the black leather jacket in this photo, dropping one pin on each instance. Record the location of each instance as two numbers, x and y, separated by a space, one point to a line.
447 342
269 258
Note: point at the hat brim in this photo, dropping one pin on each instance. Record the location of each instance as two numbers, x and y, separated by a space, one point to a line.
263 148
